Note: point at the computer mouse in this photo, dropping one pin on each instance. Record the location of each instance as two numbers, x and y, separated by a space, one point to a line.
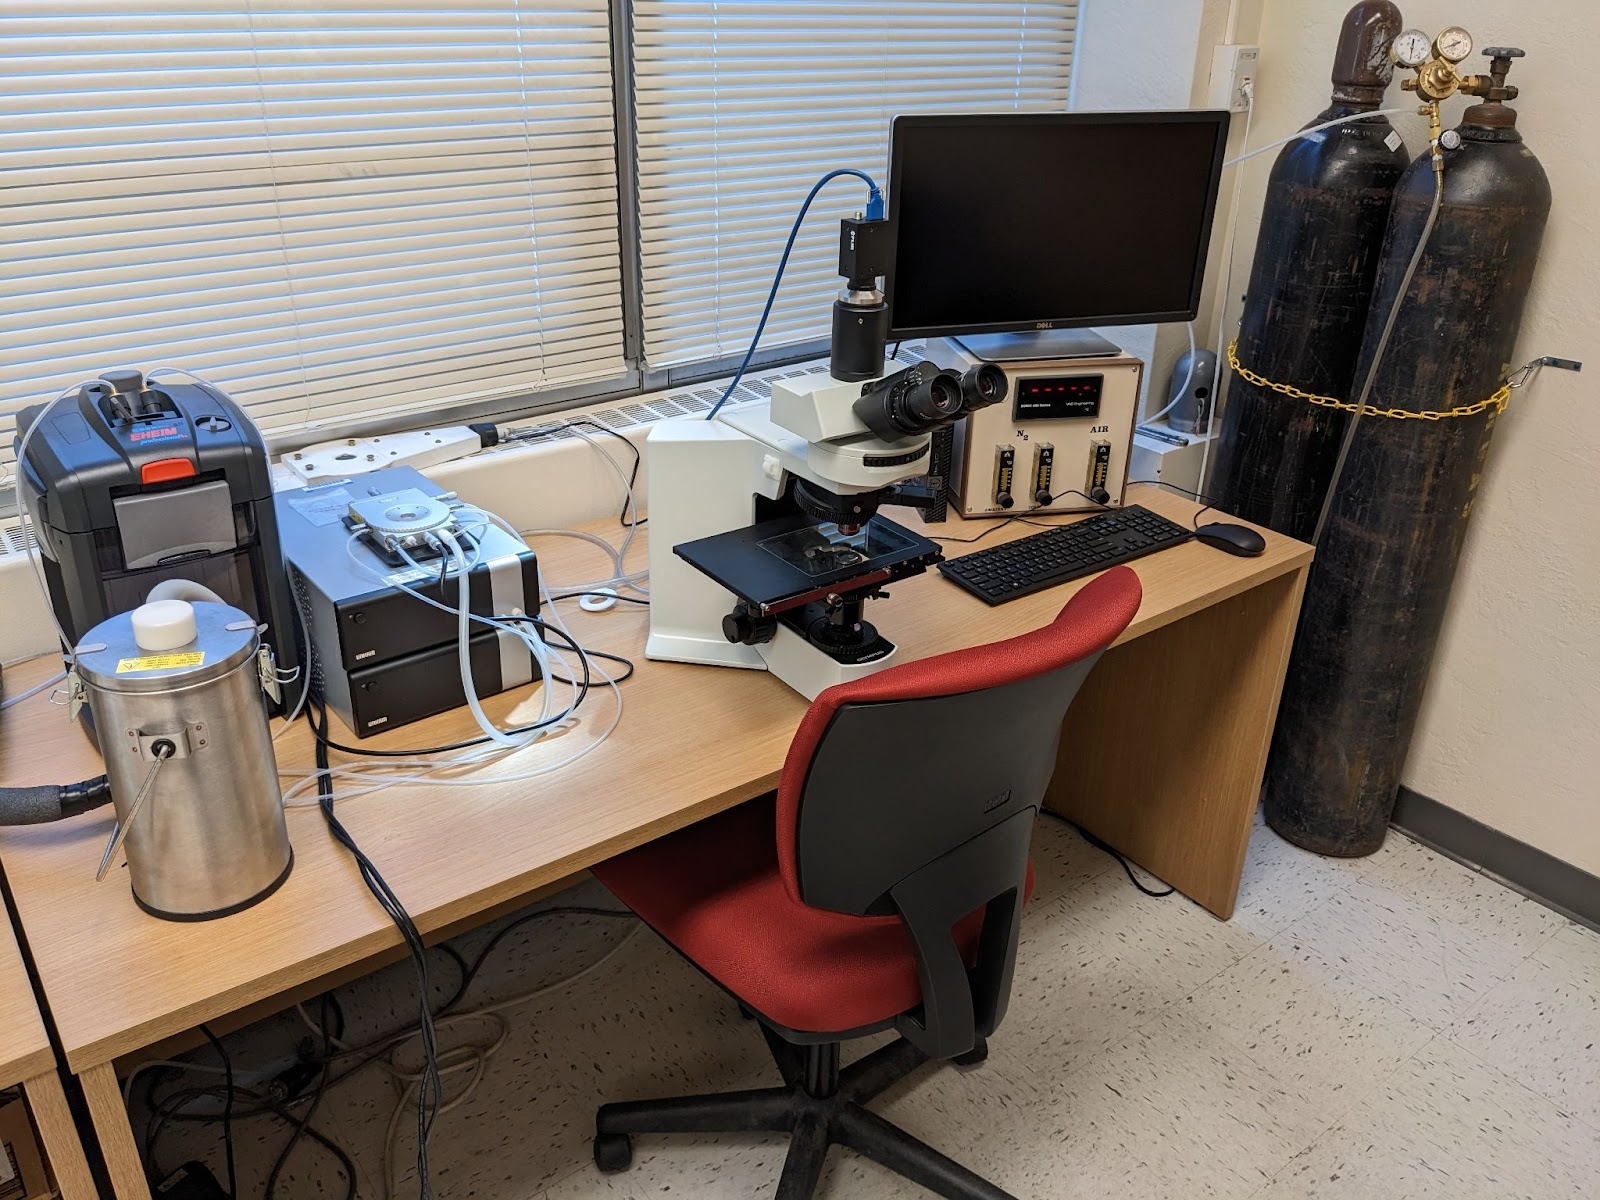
1235 539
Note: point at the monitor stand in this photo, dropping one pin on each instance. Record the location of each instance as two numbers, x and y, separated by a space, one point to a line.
1036 345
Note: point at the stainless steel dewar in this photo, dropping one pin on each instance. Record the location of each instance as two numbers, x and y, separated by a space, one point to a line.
177 690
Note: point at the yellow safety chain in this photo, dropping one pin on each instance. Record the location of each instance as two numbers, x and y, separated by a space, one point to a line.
1498 401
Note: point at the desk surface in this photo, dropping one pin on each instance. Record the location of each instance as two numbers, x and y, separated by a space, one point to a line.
692 741
24 1048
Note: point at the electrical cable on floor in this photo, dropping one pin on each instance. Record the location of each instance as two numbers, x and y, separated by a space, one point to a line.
171 1109
1098 844
470 1057
303 1124
227 1109
430 1089
475 1057
425 1085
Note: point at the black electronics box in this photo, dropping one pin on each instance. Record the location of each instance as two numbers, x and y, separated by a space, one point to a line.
192 1181
385 658
130 482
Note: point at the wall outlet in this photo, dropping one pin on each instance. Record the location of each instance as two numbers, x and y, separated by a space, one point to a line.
1233 74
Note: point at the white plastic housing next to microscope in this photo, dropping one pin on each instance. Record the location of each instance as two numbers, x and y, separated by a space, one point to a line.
1071 439
704 478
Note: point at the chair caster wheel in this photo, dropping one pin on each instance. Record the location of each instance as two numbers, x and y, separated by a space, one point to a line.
613 1152
978 1053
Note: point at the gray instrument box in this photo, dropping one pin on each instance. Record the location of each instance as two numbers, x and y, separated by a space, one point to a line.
383 657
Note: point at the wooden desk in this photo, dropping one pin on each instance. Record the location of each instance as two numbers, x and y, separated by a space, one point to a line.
26 1059
1197 674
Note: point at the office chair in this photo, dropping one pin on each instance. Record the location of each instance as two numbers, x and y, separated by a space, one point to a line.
882 887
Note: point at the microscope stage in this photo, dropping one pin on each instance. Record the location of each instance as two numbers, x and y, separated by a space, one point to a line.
781 564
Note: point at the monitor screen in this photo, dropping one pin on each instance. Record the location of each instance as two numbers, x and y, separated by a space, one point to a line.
1045 221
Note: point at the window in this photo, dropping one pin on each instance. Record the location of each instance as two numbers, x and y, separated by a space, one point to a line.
335 210
743 104
356 210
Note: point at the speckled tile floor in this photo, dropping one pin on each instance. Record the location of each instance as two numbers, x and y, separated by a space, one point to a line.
1394 1027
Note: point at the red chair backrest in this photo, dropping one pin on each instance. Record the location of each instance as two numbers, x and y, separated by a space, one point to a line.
913 791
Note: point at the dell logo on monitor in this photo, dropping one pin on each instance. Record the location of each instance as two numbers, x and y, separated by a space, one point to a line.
1044 324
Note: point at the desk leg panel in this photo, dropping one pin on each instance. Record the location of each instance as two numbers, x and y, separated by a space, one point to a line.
115 1131
59 1134
1163 752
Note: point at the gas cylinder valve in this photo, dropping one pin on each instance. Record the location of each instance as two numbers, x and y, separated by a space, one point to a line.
1493 87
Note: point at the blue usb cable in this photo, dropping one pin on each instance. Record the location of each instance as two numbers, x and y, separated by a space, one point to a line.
874 213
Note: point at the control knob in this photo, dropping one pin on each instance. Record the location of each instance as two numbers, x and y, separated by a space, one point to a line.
745 626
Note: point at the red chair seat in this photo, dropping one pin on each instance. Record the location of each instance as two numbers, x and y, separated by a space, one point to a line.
715 892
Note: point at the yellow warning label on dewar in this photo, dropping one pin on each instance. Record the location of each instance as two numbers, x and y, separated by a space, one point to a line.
161 662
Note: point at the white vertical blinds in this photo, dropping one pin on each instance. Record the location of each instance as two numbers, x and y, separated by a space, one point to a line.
334 208
743 104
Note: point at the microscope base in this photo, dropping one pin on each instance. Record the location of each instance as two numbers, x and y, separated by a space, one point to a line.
807 669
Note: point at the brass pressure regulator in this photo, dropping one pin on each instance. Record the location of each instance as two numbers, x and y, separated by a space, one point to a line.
1437 64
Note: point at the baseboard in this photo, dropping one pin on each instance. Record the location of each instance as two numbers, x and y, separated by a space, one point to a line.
1557 885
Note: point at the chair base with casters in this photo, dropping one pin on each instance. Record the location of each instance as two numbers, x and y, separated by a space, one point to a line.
881 888
821 1106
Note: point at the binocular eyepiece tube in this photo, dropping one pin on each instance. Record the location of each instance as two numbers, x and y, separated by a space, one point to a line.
925 397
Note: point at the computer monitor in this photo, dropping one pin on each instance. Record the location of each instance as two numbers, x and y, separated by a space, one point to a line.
1050 221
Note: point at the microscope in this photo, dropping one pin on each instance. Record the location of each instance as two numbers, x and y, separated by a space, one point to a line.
766 540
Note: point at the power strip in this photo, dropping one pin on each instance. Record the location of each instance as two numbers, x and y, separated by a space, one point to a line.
192 1181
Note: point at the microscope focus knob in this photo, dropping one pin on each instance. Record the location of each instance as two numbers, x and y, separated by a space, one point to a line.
745 627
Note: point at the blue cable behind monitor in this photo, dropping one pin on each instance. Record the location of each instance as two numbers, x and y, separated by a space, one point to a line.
875 212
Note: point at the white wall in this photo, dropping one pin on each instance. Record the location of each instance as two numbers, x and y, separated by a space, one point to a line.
1139 54
1510 733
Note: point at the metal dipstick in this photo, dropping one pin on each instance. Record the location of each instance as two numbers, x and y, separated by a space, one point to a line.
162 750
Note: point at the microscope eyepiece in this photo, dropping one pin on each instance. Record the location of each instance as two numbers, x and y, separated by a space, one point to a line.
925 397
934 400
917 400
981 386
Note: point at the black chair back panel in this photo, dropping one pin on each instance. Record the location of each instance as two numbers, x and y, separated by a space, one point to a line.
960 1005
897 785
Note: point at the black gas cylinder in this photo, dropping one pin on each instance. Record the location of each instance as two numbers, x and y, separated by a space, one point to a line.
1322 227
1376 595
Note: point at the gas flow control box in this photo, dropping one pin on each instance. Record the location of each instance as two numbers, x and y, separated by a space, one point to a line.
1059 442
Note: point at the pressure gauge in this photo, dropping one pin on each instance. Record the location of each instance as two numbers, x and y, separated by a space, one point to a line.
1454 44
1412 48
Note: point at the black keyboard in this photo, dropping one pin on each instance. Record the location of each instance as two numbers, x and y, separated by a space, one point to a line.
1067 552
